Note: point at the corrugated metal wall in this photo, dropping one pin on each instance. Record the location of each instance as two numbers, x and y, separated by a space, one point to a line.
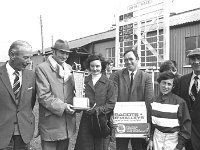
177 44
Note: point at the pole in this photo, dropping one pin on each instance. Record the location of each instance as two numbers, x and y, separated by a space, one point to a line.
41 26
52 40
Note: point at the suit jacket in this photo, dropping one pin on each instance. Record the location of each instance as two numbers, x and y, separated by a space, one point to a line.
194 109
10 112
142 88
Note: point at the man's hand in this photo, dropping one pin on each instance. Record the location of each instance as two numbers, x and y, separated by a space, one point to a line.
69 109
150 145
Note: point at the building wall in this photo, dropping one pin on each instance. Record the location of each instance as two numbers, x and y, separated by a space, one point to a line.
37 59
100 48
177 44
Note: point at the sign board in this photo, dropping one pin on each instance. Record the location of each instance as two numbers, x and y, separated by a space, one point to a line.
131 119
143 25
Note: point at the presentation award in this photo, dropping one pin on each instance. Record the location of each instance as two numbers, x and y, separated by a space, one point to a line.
80 102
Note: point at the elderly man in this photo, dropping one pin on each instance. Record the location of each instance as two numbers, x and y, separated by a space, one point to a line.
55 90
189 86
17 99
132 84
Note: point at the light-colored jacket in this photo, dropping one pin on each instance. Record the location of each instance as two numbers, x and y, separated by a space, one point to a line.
54 123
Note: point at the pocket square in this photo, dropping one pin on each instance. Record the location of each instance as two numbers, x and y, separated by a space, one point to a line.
30 88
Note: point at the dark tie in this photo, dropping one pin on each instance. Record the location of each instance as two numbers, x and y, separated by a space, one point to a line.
16 85
131 84
131 80
194 89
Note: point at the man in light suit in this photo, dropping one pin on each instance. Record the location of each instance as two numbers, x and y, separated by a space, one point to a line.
17 122
193 102
55 90
141 90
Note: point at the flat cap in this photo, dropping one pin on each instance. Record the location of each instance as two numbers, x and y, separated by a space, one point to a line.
194 52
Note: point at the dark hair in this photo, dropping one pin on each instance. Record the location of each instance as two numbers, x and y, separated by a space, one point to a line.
95 57
168 65
134 52
109 61
165 76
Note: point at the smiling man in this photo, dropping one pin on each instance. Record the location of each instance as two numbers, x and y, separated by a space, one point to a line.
55 90
132 84
17 98
189 86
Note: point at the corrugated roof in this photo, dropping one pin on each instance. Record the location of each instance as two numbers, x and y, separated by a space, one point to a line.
177 19
185 17
92 38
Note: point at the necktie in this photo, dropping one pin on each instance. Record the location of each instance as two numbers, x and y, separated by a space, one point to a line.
194 89
16 85
131 84
131 80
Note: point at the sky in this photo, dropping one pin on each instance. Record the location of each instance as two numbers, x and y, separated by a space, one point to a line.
61 19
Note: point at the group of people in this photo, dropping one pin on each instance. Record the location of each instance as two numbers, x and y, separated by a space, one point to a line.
173 114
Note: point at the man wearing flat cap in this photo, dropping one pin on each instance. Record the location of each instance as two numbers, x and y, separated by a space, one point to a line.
189 86
55 90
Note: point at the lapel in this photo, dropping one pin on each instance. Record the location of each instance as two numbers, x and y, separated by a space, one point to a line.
88 80
24 83
6 81
126 77
186 86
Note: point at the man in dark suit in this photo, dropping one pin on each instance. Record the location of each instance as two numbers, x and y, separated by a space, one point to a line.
189 86
139 88
17 99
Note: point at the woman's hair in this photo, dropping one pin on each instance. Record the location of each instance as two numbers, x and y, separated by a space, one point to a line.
165 76
95 57
168 65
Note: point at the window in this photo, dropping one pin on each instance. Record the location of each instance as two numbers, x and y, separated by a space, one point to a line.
192 43
111 54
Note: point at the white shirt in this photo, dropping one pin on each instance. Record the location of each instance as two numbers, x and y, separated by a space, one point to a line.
192 82
11 74
134 72
95 78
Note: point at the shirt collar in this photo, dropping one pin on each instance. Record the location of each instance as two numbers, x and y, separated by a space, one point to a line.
11 71
134 72
193 75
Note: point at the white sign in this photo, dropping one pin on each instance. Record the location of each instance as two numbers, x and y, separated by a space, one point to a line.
131 119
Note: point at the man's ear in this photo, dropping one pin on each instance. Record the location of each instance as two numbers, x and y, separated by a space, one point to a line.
12 55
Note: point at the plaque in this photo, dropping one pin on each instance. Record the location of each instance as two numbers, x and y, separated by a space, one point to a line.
80 102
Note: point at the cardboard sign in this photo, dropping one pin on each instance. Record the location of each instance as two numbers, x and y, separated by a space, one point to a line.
131 120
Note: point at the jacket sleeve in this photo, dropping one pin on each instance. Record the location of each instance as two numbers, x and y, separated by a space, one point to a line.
185 125
115 79
110 99
45 96
149 94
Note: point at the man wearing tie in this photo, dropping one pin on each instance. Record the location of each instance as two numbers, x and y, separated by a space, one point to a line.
132 84
17 99
189 86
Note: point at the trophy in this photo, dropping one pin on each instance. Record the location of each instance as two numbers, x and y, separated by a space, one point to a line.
80 102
